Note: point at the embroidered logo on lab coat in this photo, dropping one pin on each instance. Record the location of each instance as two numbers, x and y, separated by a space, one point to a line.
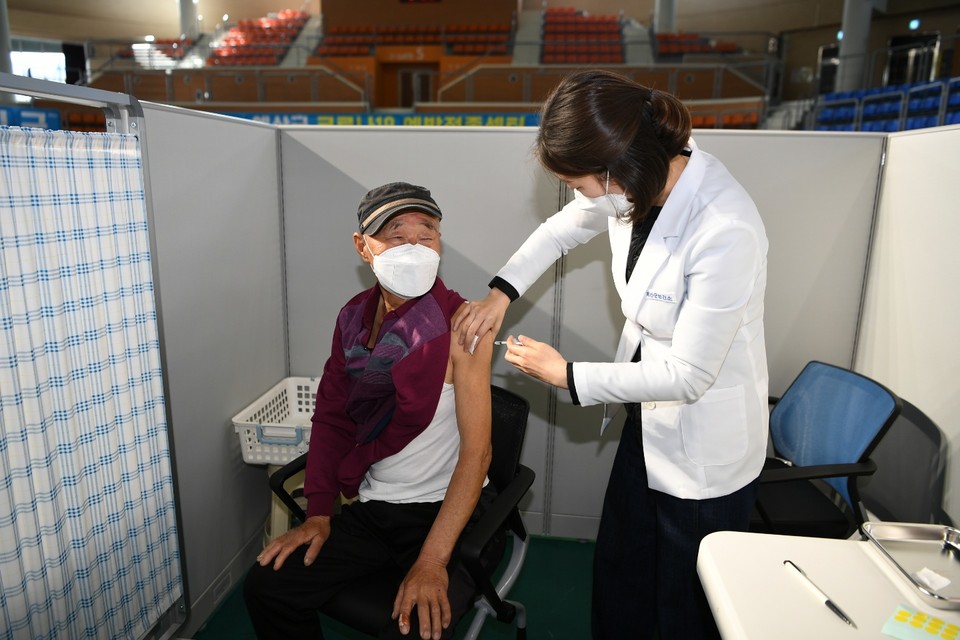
660 296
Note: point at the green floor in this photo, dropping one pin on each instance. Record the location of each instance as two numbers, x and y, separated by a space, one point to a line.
554 586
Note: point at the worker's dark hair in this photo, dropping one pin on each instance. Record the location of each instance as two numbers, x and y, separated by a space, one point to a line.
597 121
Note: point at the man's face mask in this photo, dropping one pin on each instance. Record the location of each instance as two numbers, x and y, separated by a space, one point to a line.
408 270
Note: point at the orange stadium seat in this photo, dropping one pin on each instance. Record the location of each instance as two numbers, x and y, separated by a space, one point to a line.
571 37
458 38
261 41
679 44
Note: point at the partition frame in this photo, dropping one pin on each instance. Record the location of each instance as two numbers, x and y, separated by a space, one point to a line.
124 114
220 258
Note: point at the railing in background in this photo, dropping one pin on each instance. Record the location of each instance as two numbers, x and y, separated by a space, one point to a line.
761 69
196 87
527 83
928 60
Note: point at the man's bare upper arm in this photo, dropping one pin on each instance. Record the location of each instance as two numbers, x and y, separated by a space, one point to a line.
471 380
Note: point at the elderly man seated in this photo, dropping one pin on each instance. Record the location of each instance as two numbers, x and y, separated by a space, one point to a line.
403 420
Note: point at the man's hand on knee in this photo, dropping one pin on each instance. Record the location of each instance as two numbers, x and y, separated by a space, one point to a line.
424 587
314 532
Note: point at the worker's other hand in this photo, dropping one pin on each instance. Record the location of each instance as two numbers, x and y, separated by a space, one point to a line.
537 359
473 319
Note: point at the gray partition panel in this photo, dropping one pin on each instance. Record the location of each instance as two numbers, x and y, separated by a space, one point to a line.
816 193
215 187
491 196
591 325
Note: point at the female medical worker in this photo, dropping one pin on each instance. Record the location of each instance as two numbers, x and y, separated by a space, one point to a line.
691 362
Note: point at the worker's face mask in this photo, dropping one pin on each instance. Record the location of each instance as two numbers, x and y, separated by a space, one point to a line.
407 270
612 205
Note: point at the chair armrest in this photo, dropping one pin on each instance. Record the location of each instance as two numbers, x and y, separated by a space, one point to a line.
281 475
503 507
788 474
473 543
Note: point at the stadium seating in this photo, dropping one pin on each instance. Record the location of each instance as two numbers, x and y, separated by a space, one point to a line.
457 39
469 58
478 39
573 37
673 46
745 118
162 52
893 108
261 41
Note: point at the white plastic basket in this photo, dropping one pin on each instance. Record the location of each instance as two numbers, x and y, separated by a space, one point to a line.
276 428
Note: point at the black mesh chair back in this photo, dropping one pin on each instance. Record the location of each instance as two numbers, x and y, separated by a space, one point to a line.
911 459
509 426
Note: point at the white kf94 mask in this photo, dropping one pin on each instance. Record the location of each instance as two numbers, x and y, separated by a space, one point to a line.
612 205
408 270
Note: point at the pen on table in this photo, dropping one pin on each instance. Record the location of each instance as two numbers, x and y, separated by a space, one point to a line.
818 593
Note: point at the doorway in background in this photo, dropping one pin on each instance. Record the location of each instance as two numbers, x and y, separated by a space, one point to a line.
416 84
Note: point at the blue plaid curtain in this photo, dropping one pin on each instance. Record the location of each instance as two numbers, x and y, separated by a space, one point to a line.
88 542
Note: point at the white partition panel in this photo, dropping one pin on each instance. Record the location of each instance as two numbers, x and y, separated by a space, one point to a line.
816 193
909 338
215 184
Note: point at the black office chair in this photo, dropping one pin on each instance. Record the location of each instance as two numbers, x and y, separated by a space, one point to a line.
366 605
911 472
823 431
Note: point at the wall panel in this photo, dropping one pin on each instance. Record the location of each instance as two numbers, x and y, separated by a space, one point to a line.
215 187
491 199
908 338
816 193
817 200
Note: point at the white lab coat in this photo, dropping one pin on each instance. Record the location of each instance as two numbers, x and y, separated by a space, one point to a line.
695 305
